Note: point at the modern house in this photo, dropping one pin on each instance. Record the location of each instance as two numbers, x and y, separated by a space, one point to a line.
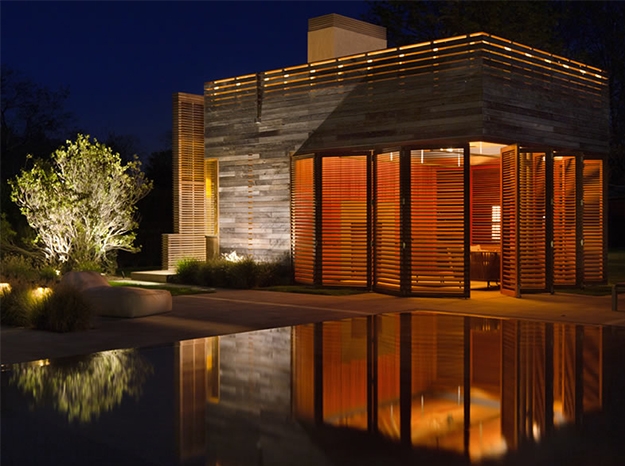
414 170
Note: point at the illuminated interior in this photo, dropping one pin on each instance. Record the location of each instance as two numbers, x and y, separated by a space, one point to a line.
425 222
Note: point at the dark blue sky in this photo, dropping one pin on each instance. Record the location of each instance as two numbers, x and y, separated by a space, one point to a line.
123 60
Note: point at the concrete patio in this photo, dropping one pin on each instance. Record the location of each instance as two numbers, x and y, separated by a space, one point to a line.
232 311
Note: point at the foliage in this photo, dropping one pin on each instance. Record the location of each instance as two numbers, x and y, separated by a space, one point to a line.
85 388
188 271
63 310
242 274
16 305
82 203
14 268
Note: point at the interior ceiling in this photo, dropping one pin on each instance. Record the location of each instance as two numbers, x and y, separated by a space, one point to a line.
484 152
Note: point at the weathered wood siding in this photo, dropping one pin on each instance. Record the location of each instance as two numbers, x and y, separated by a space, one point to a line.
452 91
535 98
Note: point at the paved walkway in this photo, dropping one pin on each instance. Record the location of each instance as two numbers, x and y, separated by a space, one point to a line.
232 311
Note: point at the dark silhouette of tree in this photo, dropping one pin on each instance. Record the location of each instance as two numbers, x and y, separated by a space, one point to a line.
156 211
589 31
34 120
528 22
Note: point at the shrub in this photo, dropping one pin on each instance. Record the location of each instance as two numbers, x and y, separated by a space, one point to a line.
243 273
16 268
275 273
63 310
188 271
16 305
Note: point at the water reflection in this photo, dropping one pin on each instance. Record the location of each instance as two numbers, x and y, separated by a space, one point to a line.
320 394
472 385
83 388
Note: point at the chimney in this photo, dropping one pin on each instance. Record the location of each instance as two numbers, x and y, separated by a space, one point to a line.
332 36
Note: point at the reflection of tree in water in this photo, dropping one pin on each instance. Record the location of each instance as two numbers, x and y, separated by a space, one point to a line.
83 389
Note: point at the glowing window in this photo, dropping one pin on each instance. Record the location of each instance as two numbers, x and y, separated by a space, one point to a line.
496 222
212 199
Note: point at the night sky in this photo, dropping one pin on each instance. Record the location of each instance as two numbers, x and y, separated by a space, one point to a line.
123 60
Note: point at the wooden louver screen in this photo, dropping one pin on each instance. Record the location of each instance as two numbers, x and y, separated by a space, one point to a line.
344 220
387 222
532 218
303 220
485 204
593 221
437 221
564 220
188 164
523 221
509 222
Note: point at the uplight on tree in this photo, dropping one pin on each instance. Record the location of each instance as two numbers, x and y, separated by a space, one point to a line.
82 203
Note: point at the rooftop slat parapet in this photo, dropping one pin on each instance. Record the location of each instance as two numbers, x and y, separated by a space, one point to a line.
411 59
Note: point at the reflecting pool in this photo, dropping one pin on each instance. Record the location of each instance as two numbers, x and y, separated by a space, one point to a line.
444 389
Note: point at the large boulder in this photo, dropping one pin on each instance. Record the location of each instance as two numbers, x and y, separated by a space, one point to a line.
117 301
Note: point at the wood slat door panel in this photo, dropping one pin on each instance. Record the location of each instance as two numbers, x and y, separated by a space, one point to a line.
594 243
509 222
303 220
564 220
437 221
387 228
344 220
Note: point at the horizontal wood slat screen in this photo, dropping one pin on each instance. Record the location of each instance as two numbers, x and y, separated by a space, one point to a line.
344 220
437 221
485 204
188 164
564 220
303 220
179 246
532 212
387 222
593 221
410 60
509 221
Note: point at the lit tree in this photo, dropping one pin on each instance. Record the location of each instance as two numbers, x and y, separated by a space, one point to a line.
82 203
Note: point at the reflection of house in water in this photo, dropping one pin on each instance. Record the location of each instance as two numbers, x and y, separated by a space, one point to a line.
471 385
234 404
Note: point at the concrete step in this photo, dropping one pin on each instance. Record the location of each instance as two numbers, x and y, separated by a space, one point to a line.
158 276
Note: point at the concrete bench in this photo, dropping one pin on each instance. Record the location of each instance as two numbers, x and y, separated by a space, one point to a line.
117 301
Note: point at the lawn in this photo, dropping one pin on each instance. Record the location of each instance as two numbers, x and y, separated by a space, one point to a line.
175 290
